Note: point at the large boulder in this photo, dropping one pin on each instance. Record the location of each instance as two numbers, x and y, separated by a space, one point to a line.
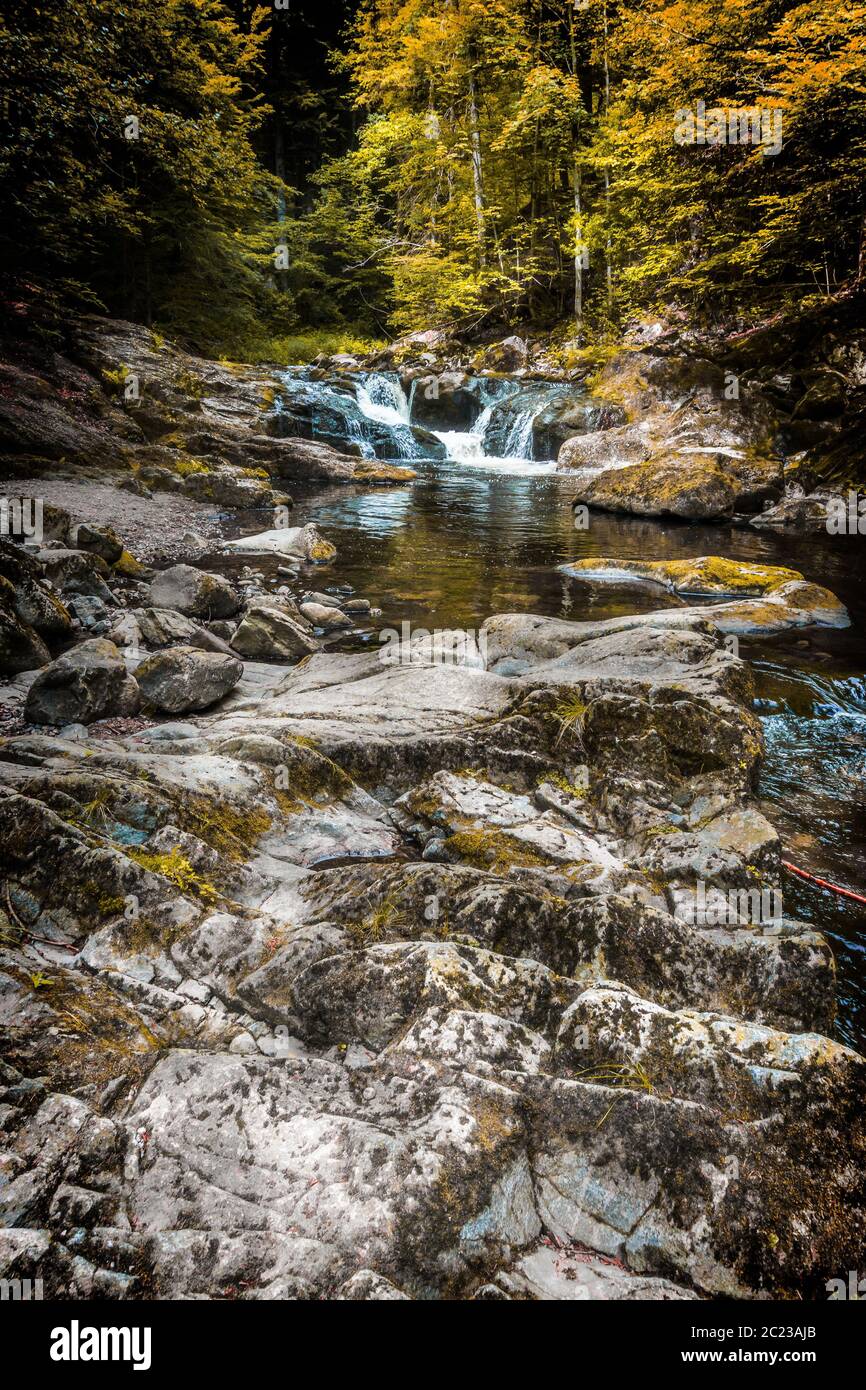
164 627
183 679
569 416
34 603
230 487
194 592
447 401
597 450
692 488
87 683
21 647
695 429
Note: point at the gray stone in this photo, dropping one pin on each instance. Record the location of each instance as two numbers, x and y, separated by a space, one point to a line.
194 592
182 679
100 540
271 630
87 683
331 619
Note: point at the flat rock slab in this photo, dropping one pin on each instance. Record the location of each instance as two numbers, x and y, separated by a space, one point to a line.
766 598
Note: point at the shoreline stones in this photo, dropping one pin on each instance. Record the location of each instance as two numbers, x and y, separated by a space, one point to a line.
273 630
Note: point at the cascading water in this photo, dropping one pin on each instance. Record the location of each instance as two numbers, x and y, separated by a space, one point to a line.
371 411
383 399
478 446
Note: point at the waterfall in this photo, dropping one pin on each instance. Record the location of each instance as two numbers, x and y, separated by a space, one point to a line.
383 400
466 446
372 411
469 446
519 441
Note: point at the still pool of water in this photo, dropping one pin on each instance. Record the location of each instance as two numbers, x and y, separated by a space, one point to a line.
471 538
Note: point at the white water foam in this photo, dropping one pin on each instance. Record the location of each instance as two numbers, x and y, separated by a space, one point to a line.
467 447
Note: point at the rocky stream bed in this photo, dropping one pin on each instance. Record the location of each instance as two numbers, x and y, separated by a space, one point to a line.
333 967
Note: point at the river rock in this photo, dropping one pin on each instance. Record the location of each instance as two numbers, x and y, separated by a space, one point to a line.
600 450
183 679
567 416
99 540
87 683
21 647
325 616
693 488
90 611
444 401
230 487
507 356
324 600
35 604
76 572
164 627
303 541
271 630
797 513
770 598
194 592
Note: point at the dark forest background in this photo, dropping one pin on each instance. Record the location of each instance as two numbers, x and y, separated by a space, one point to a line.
265 180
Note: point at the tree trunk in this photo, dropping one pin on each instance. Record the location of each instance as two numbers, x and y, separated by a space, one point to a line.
578 248
578 228
477 171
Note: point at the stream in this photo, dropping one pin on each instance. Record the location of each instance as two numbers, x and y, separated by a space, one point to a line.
482 531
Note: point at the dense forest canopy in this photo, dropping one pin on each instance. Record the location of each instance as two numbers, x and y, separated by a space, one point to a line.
236 173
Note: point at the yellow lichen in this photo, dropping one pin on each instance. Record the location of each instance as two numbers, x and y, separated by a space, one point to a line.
177 869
